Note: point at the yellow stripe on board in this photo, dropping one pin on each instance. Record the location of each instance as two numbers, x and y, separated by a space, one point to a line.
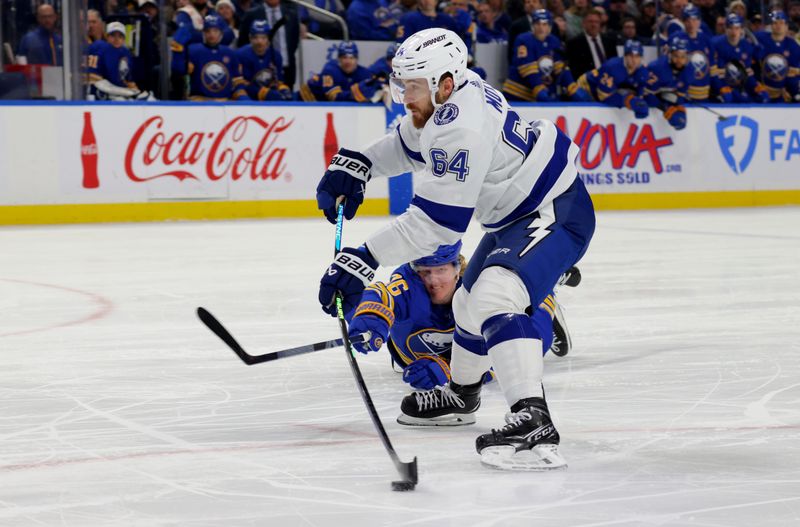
172 210
223 210
696 200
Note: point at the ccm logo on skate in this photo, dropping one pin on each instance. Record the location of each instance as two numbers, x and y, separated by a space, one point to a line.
351 165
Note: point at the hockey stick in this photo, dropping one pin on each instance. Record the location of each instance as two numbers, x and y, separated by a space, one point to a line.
408 471
219 330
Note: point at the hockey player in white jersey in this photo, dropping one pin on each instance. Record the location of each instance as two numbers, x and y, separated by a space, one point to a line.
474 157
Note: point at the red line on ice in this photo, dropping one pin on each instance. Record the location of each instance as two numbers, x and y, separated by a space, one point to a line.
104 308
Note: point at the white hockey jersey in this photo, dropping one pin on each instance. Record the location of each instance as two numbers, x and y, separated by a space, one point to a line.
475 155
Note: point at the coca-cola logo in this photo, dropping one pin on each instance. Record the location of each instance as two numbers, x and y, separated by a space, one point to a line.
600 141
245 147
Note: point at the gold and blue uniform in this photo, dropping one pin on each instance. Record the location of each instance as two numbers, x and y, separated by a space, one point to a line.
537 69
215 74
605 84
779 62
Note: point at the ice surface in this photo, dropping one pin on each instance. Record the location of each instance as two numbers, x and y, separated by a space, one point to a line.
679 405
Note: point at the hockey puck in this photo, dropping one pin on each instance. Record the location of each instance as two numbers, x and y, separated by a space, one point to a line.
402 486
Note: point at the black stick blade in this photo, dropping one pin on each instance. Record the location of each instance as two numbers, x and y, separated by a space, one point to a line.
219 330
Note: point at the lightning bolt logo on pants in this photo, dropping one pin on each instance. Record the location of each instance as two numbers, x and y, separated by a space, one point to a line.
539 225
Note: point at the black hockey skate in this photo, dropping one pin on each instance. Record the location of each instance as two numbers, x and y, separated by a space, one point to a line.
529 440
449 405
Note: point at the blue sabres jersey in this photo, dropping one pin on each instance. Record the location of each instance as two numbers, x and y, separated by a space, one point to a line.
535 67
381 67
701 65
734 64
779 63
263 73
606 82
420 328
215 73
414 21
333 84
371 20
662 77
104 61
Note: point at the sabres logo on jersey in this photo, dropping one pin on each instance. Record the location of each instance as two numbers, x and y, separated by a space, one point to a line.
546 66
430 341
123 68
775 67
264 77
699 63
734 73
215 76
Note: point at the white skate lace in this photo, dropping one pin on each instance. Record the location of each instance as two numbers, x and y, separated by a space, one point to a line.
516 419
438 397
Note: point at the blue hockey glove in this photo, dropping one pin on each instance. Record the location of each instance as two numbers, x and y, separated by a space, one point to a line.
763 97
676 116
367 332
581 95
427 372
639 107
351 271
346 176
365 90
546 96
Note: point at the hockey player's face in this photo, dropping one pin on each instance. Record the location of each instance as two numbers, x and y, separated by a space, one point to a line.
212 36
632 61
779 28
692 25
678 59
734 33
440 282
541 30
259 43
348 63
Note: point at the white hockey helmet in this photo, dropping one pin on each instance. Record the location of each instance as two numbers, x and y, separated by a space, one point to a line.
428 54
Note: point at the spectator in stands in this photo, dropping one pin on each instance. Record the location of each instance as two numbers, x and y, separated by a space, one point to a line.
95 28
793 11
262 69
502 19
286 38
628 32
521 25
344 79
574 17
426 16
324 26
538 71
227 11
243 6
149 8
459 11
488 31
671 22
709 11
645 24
371 20
590 49
42 45
620 82
617 11
719 25
214 69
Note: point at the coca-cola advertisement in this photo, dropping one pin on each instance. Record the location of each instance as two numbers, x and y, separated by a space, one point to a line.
210 152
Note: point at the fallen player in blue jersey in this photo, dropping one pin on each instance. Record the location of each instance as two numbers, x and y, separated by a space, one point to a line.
412 314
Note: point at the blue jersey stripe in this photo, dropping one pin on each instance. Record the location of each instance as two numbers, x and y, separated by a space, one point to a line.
548 177
448 216
416 156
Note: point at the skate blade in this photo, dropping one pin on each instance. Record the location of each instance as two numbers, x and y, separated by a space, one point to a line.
539 458
444 420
